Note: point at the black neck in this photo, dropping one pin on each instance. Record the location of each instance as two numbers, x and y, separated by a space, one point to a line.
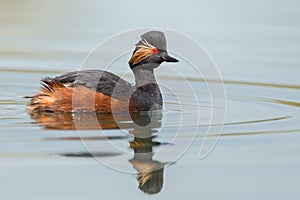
147 94
144 77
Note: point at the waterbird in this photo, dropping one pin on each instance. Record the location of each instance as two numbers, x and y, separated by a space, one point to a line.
105 92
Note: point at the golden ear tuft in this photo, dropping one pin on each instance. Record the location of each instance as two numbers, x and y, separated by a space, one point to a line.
144 51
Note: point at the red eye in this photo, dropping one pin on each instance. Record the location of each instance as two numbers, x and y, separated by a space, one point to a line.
155 51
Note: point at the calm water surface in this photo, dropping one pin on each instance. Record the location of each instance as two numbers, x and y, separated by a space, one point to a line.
256 47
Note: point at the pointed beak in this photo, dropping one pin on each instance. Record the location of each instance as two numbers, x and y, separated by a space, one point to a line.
168 58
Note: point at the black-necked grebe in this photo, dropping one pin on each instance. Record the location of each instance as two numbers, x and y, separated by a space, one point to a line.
102 91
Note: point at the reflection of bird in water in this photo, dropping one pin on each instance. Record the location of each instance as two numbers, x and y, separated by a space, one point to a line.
150 171
91 120
82 120
143 126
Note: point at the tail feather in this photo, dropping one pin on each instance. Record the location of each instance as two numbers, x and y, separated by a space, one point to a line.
43 100
49 85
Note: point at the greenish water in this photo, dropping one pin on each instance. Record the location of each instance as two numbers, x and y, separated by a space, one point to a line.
256 47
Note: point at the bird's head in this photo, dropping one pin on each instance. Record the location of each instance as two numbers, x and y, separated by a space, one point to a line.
150 51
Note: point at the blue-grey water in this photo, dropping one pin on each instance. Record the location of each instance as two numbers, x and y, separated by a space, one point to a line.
256 46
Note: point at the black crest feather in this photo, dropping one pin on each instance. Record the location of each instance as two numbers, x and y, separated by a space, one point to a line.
155 38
